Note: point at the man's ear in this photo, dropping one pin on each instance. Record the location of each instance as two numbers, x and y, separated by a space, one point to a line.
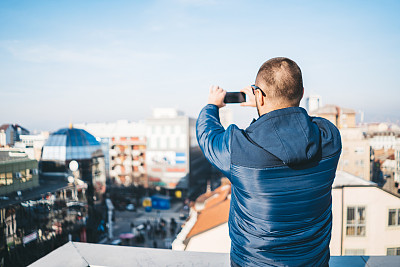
260 98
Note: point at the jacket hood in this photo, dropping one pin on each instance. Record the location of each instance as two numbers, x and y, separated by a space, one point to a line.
289 134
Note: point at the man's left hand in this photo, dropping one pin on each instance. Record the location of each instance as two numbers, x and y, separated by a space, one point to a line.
216 96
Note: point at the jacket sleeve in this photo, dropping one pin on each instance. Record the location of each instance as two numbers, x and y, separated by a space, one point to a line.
213 139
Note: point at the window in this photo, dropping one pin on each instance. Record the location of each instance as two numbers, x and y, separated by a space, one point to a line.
167 129
172 142
9 178
393 252
354 252
158 142
355 221
163 142
3 179
359 150
394 217
178 129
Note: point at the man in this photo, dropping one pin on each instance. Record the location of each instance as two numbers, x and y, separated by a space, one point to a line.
281 169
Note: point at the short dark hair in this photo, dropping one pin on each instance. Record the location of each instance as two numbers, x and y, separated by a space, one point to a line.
283 80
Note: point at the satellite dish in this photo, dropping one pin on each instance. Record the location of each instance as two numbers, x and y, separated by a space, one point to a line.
71 179
73 165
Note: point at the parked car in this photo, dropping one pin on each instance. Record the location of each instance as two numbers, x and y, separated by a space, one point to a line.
130 207
116 242
182 216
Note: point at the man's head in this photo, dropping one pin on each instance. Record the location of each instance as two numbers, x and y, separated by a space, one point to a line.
281 80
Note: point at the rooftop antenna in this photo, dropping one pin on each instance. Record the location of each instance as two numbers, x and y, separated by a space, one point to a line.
208 190
361 116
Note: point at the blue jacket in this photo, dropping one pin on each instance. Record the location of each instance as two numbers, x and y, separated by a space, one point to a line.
281 169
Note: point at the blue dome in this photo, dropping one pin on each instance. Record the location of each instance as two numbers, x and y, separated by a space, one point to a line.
74 137
71 144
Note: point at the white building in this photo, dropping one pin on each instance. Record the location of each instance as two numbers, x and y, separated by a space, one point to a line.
174 159
365 218
32 144
384 139
313 102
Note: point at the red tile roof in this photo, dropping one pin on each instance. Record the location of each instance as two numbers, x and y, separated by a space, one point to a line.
215 212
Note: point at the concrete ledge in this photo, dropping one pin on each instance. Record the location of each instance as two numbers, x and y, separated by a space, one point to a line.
77 254
85 254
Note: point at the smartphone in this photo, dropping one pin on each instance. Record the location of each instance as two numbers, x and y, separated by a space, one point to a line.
235 97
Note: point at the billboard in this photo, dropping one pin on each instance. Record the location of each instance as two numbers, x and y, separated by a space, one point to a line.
167 168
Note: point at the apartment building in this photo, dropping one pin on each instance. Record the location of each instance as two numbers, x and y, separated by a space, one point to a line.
10 133
355 157
341 117
365 218
124 147
174 160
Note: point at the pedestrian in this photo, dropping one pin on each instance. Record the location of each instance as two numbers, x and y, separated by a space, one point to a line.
132 228
281 169
149 230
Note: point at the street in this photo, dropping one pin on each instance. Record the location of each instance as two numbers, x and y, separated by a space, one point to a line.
158 234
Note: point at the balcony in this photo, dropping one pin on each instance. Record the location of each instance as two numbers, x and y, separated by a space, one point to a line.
77 254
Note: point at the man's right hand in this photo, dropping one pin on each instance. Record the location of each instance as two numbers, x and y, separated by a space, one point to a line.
251 98
216 96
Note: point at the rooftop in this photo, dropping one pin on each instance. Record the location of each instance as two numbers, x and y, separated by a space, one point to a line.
211 217
333 109
45 187
346 179
12 154
77 254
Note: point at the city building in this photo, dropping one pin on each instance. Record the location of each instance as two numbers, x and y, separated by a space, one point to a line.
174 160
71 144
355 157
17 171
383 164
384 139
397 165
10 133
382 127
341 117
43 218
313 102
32 144
39 215
124 148
365 218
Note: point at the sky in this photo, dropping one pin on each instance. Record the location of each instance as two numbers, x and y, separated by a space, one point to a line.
101 61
